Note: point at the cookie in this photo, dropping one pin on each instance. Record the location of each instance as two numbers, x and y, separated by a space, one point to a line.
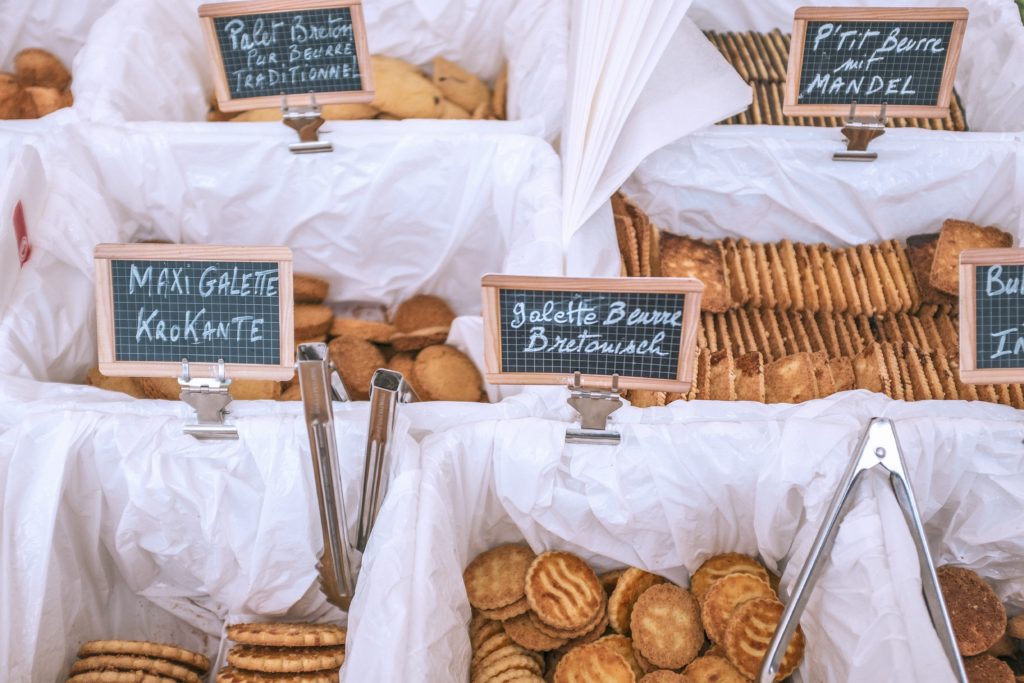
686 257
309 289
750 271
808 278
872 279
725 595
791 272
499 96
631 585
831 292
503 660
286 659
230 674
563 591
702 378
750 632
977 614
718 566
593 663
843 378
768 294
664 676
288 634
158 667
357 361
987 669
444 373
422 311
48 100
591 634
143 648
375 331
522 631
722 384
116 676
402 91
1004 647
166 388
920 252
870 371
750 378
312 320
896 387
609 580
404 363
955 237
791 379
666 626
625 234
124 385
713 669
734 273
645 398
517 608
453 112
41 68
420 339
777 272
350 111
1015 627
624 647
497 577
458 85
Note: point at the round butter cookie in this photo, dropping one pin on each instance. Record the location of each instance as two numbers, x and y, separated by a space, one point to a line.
987 669
666 626
718 566
446 374
158 667
369 330
288 634
286 659
725 595
356 361
144 648
593 663
624 646
563 590
312 320
713 670
497 577
522 630
422 311
977 615
230 674
308 289
628 589
115 676
663 676
750 632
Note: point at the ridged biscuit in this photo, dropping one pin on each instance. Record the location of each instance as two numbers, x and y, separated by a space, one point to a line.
144 648
288 634
497 577
593 633
159 667
749 633
593 663
977 614
495 643
713 669
725 595
286 659
574 635
116 676
666 626
563 591
611 579
920 252
718 566
230 674
630 587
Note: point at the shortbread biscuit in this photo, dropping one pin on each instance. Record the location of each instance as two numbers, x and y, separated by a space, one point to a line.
707 329
777 344
909 274
872 278
788 335
497 643
642 661
666 626
150 665
505 660
733 264
402 91
623 646
777 273
896 388
599 628
802 340
518 607
444 373
582 633
630 587
522 631
230 674
955 237
750 378
856 305
768 294
750 271
843 378
312 320
116 676
870 370
886 254
702 379
920 252
497 577
143 648
593 663
750 632
286 659
712 669
420 339
664 676
563 590
645 398
813 331
977 614
629 243
357 361
945 373
723 377
808 279
422 311
718 566
987 669
481 629
725 595
686 257
609 580
376 331
791 379
460 86
309 289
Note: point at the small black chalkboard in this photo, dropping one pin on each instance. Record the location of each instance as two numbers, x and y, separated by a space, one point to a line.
904 58
992 316
543 330
263 50
163 304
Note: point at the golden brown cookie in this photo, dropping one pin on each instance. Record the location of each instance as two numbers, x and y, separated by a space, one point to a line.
955 237
47 100
288 634
41 68
499 96
734 272
422 311
750 378
920 252
749 633
977 615
357 361
1015 627
686 257
444 373
497 577
458 85
987 669
309 289
230 674
713 669
1004 647
520 606
510 658
522 631
312 320
664 676
722 381
286 659
143 648
791 379
369 330
725 595
593 663
402 91
870 370
159 667
420 339
611 579
718 566
563 591
666 626
623 646
630 587
15 101
166 388
117 676
842 374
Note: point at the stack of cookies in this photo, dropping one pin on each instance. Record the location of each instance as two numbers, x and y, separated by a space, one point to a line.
299 653
550 617
762 59
135 661
403 91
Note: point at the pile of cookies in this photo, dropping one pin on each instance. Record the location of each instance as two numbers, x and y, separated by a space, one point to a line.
301 653
787 322
135 661
550 617
761 59
403 91
988 641
40 84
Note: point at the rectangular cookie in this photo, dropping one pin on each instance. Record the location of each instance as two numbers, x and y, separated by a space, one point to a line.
791 272
822 374
686 257
734 272
955 237
842 374
791 379
920 252
808 280
764 275
722 384
777 273
900 276
750 378
746 252
710 331
870 370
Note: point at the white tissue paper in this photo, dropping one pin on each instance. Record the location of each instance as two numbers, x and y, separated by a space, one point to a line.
125 75
688 481
989 79
53 25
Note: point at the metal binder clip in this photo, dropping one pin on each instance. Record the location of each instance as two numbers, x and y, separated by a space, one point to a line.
209 397
878 447
594 407
387 390
859 134
337 580
305 122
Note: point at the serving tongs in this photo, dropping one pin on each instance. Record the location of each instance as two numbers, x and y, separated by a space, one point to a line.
878 448
320 382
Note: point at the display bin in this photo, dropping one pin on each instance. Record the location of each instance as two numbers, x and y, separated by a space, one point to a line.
126 75
688 481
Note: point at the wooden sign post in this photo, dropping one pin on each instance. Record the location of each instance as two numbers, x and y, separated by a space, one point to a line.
903 58
268 49
543 330
992 316
157 304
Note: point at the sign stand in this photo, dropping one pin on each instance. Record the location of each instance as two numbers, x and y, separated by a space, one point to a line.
859 134
878 447
209 397
594 406
306 122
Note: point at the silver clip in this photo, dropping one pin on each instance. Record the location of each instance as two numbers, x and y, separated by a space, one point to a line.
859 133
878 448
337 580
209 397
594 407
387 390
306 122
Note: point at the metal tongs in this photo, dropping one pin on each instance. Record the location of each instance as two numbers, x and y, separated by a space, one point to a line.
878 448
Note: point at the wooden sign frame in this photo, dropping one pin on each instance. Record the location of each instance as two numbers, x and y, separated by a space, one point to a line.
691 287
105 254
969 261
235 9
957 15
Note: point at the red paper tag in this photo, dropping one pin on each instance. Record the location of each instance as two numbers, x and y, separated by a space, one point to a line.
21 235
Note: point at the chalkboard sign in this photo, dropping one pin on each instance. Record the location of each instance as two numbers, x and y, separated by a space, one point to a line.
268 48
540 330
160 303
905 58
992 316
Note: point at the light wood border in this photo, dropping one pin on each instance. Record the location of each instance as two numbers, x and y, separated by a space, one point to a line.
104 254
969 261
226 103
957 15
492 284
